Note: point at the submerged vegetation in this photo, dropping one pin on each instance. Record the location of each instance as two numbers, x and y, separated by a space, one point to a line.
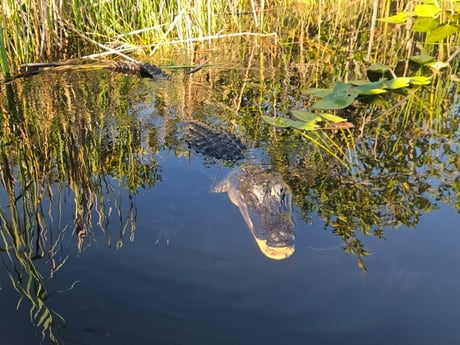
370 104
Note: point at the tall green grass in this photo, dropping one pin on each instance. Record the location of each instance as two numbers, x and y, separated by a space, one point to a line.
164 31
4 67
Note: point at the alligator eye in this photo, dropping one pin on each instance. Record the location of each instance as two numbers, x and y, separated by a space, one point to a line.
283 195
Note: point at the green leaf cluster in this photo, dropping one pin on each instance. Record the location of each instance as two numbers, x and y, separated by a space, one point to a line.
436 21
382 80
344 94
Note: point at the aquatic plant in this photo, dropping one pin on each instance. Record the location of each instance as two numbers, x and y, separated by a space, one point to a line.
435 19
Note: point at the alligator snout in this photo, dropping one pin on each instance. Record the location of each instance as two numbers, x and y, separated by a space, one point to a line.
265 202
280 238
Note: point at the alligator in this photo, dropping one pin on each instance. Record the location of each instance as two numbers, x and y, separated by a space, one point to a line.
262 196
137 68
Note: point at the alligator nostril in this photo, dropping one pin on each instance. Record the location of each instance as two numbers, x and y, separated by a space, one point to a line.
280 238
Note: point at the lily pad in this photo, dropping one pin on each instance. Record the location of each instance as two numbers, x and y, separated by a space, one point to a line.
420 80
438 65
422 59
396 83
379 68
377 71
305 116
306 126
283 122
341 97
372 88
332 118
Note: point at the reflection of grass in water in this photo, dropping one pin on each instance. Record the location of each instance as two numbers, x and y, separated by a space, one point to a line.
400 151
24 236
73 149
343 151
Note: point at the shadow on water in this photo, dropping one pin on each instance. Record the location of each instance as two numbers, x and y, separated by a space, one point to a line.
79 149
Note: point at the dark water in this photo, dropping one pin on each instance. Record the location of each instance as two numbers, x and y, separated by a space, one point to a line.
191 272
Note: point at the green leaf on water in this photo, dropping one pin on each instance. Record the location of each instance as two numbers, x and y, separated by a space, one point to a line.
398 18
341 97
420 80
307 126
396 83
305 116
431 11
332 118
441 32
335 102
280 122
422 59
310 117
308 121
372 88
379 68
311 121
283 122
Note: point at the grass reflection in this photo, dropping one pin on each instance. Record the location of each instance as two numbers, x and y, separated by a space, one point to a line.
63 143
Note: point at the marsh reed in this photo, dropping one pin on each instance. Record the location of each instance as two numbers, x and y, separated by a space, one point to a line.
181 31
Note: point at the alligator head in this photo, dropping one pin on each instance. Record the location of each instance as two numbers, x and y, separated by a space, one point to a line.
265 202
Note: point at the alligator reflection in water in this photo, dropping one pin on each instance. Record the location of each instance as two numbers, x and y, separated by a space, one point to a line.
265 202
264 199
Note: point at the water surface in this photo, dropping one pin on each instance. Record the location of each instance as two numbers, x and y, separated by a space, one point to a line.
167 261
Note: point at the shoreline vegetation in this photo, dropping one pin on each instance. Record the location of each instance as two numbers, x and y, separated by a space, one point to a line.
184 32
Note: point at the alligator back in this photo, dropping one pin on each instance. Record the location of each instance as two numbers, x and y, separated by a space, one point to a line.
144 70
213 141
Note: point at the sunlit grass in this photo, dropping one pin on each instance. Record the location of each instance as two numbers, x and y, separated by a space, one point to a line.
159 30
